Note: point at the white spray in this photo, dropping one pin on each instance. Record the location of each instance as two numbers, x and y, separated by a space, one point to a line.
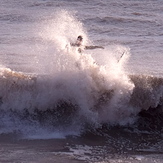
94 80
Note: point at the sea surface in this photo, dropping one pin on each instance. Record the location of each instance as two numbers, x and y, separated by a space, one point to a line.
97 106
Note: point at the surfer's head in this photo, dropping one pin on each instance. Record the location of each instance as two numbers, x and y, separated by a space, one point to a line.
79 40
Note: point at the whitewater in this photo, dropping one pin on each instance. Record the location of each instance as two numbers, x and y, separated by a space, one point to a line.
101 105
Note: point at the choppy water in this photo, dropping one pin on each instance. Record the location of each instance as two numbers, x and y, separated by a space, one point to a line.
48 90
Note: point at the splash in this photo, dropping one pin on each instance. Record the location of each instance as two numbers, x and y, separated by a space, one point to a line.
69 89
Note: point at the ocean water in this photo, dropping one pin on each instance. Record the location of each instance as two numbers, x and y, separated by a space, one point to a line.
101 105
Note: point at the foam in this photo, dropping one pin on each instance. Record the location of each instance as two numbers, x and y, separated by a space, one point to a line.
94 81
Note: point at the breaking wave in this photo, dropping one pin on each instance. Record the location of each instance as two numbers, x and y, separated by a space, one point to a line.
71 91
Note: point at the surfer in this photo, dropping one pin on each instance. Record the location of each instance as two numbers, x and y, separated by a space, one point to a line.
81 47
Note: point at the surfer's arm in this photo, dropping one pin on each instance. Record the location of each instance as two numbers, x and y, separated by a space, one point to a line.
94 47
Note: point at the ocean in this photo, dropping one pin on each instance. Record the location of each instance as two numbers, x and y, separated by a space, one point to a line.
97 106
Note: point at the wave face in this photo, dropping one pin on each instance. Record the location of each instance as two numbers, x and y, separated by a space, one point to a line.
69 91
